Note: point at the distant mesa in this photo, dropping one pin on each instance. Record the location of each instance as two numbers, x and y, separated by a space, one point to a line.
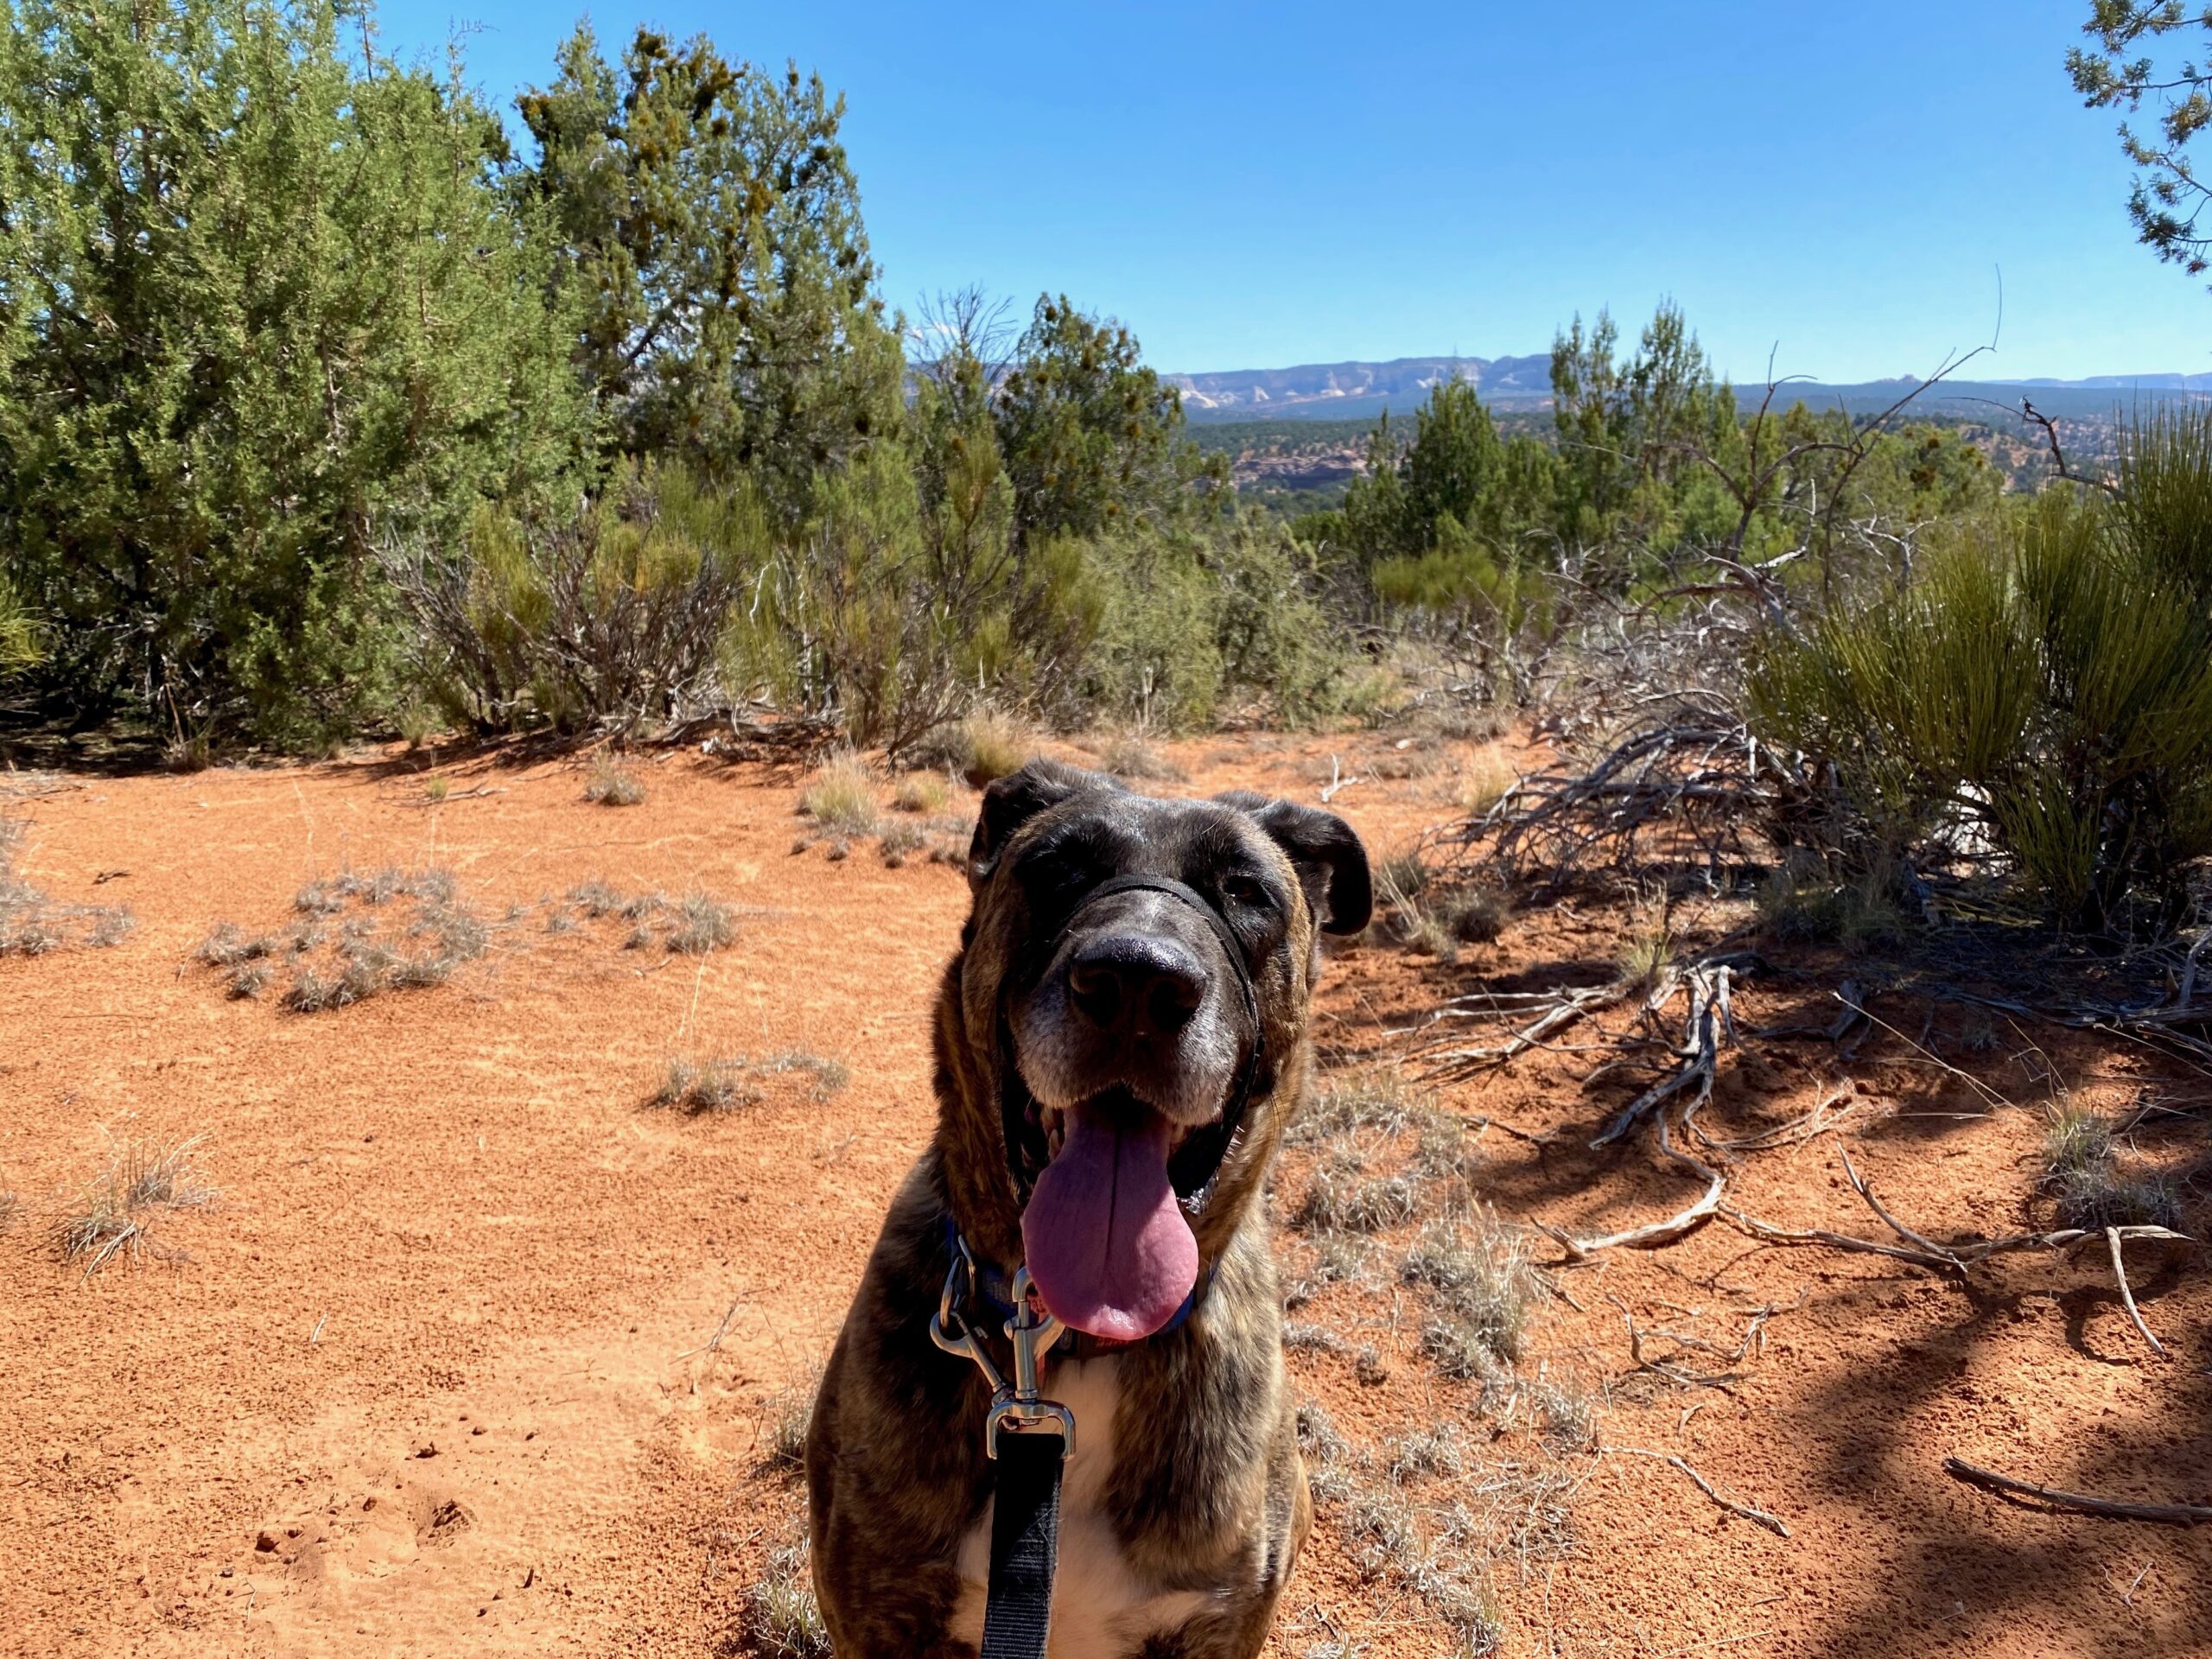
1337 391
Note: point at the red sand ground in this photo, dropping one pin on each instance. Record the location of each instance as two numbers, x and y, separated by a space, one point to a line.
433 1375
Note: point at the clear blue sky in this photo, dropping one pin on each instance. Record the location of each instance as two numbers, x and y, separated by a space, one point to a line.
1258 185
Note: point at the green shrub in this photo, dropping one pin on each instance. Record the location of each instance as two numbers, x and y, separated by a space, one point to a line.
1191 617
19 633
615 615
2046 682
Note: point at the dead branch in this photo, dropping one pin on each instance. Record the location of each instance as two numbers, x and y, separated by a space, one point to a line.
2155 1024
1922 1251
1795 1132
1768 1233
1850 995
1671 1367
1555 1012
1654 1234
2185 1515
2128 1295
1676 1099
1698 778
1861 1186
2058 455
1699 1055
1773 1523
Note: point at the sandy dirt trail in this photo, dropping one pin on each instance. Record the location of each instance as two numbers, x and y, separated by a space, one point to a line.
473 1352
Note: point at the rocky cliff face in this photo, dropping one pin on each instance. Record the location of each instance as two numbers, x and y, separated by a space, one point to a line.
1348 390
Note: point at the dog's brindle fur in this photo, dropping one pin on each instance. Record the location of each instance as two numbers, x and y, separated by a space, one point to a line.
1185 1503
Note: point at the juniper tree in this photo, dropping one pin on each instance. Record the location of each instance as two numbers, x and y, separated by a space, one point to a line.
711 229
263 297
1092 440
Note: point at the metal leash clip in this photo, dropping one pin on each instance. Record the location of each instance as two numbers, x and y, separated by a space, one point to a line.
1016 1407
1032 1330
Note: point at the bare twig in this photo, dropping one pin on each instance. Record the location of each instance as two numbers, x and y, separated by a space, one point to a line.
2126 1295
1773 1523
1338 782
1558 1011
1861 1186
713 1343
2058 455
2185 1515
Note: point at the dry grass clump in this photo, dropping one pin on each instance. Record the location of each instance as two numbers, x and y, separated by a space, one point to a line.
371 953
827 1076
942 840
710 1086
331 894
1328 1455
1649 945
980 749
1340 1200
1128 757
1339 1259
1422 1513
723 1084
31 924
1483 783
1299 1338
1374 1099
989 746
922 792
228 945
784 1416
1437 1450
595 899
1473 915
1378 1102
782 1619
1484 1287
112 1220
1386 1547
1412 911
613 784
841 798
8 1209
1801 903
697 923
691 925
2092 1187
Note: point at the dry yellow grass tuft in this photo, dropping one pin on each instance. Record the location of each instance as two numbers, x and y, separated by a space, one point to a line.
841 798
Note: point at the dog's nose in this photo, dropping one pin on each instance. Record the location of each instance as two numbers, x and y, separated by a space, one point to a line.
1130 982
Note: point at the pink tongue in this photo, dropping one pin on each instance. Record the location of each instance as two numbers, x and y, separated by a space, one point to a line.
1107 1244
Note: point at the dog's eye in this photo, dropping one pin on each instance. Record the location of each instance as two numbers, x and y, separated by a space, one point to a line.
1244 892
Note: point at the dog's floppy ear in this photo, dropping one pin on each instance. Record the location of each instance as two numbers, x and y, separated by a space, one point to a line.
1012 800
1326 853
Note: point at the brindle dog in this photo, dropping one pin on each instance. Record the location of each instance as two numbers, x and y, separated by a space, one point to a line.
1105 1033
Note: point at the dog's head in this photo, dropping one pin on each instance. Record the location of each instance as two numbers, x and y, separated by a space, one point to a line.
1125 1027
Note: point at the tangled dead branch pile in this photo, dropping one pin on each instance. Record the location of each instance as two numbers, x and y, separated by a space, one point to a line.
1685 794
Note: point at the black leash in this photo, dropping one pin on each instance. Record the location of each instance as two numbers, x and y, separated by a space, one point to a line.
1025 1547
1030 1437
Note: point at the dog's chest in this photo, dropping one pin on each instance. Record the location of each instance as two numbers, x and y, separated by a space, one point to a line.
1102 1608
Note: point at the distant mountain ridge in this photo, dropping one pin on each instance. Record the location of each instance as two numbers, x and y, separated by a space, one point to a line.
1332 390
1362 390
